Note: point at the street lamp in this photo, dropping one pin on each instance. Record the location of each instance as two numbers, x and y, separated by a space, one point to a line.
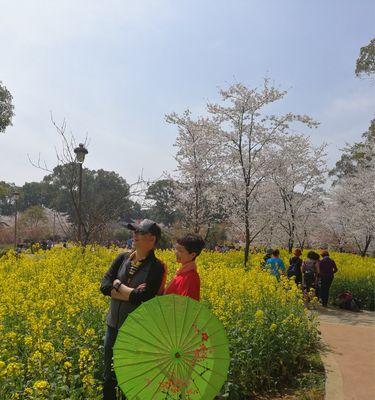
80 152
16 196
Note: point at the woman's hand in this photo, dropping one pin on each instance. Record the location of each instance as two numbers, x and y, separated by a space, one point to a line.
116 282
142 286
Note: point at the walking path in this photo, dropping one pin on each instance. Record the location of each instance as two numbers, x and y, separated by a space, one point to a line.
349 354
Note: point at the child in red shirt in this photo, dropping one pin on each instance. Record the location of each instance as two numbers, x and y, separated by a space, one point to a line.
186 281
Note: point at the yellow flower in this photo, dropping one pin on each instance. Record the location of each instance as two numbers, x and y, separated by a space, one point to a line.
67 342
59 357
88 380
48 347
3 369
68 366
273 327
28 392
14 370
28 341
41 386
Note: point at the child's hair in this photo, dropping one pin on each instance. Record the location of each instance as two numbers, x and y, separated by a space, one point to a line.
193 243
276 253
312 255
297 252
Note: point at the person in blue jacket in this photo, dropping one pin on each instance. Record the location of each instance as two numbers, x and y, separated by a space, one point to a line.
276 265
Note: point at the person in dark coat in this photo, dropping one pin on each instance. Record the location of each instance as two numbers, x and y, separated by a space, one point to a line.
327 270
295 264
130 281
310 271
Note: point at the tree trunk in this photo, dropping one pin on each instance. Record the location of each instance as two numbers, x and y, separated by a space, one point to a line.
290 245
367 245
247 234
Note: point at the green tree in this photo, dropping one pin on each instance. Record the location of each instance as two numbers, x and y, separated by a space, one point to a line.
35 193
6 197
355 155
366 60
164 207
6 108
33 217
105 198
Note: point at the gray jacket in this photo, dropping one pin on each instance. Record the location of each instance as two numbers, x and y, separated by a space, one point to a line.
151 272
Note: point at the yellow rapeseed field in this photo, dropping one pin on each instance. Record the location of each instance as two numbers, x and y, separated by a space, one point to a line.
52 322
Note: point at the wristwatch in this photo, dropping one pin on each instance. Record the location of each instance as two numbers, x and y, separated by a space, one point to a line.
117 286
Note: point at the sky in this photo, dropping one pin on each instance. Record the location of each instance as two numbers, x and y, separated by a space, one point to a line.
113 70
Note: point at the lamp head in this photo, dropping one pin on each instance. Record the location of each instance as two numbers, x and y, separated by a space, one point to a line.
80 152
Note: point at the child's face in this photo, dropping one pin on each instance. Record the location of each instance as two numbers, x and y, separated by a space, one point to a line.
182 255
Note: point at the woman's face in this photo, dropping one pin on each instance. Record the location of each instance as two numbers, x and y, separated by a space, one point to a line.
143 241
182 255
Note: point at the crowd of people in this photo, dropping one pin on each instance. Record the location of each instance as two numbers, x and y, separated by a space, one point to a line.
32 245
314 274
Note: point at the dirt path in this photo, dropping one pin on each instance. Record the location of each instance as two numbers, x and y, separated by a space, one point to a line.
349 356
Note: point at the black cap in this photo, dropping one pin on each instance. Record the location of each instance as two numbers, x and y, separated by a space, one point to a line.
146 226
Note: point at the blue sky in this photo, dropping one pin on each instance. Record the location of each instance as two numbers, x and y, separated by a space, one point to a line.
113 69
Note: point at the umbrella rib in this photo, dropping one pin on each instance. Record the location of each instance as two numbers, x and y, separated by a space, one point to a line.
146 329
174 320
213 371
141 374
188 343
160 372
191 348
138 351
157 326
190 368
165 321
145 341
215 358
194 320
183 324
202 377
140 362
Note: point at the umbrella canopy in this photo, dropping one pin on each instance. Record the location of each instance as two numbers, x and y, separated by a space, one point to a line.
171 347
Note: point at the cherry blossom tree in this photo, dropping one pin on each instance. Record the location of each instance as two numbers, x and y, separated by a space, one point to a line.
199 172
354 198
246 133
299 172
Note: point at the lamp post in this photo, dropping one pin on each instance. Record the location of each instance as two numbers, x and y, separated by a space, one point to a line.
80 152
16 196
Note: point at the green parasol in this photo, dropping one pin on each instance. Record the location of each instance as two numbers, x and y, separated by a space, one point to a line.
171 347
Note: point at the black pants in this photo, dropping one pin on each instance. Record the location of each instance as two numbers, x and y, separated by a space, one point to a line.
109 378
325 284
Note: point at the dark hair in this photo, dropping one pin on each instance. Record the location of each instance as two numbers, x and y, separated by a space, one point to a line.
193 243
312 255
324 253
276 253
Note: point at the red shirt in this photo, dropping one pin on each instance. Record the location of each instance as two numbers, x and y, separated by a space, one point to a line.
186 282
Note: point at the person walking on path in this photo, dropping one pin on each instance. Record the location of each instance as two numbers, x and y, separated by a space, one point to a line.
295 264
122 283
327 270
186 281
276 264
310 272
